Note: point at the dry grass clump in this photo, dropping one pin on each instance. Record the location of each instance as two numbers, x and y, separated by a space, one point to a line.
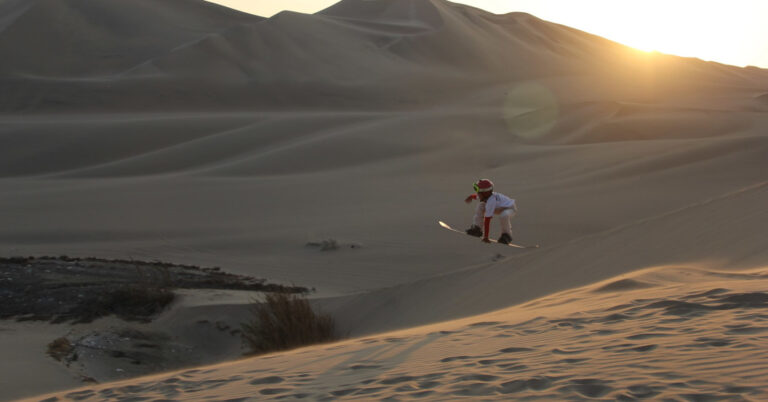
60 348
284 321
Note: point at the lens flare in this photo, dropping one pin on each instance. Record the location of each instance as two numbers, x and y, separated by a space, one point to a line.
530 110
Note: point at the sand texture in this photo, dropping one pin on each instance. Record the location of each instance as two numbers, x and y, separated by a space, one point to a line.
321 151
669 333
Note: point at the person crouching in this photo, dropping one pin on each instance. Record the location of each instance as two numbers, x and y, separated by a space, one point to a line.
490 204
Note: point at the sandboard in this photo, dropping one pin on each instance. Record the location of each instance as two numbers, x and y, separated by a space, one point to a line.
452 229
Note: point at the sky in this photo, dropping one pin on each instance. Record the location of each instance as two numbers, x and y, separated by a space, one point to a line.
727 31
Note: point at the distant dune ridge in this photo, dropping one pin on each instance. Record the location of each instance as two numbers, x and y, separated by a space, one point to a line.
183 131
148 55
81 38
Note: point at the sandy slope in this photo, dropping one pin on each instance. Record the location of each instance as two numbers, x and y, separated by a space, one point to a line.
672 332
234 141
402 54
64 38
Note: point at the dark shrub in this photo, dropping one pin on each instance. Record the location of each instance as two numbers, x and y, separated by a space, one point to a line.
60 348
285 321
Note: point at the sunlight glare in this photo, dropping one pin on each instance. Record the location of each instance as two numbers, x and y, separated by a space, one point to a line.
530 110
731 32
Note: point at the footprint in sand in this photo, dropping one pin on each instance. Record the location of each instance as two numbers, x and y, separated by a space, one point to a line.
591 388
746 330
344 392
644 348
421 394
573 361
363 366
567 352
77 396
570 323
643 391
647 336
515 350
368 391
629 347
410 378
172 380
716 342
512 367
477 377
490 362
536 384
429 384
443 333
267 380
398 380
613 318
680 308
474 389
274 391
108 393
405 388
454 358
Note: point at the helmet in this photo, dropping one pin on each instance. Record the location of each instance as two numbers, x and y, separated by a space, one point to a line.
483 185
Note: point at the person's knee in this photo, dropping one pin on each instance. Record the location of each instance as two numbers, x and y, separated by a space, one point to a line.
508 213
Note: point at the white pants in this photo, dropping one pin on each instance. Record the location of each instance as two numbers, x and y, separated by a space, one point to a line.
505 216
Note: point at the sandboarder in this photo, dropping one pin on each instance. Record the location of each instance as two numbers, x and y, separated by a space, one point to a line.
491 203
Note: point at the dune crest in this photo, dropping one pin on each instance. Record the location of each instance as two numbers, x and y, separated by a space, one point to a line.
90 55
84 38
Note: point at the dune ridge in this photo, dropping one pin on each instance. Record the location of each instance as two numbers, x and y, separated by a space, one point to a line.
79 38
208 57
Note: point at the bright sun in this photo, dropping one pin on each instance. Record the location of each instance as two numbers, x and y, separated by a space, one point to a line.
731 32
708 30
672 28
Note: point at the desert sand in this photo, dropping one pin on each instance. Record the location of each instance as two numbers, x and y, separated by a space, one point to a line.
216 138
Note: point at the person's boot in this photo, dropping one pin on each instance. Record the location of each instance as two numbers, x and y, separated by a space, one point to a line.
475 231
505 238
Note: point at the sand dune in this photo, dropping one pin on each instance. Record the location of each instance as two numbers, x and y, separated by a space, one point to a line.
352 55
681 332
60 39
237 141
719 229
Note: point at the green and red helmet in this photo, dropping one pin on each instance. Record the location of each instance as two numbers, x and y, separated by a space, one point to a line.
483 185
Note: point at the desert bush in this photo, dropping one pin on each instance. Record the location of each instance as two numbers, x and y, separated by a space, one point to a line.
60 348
283 321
